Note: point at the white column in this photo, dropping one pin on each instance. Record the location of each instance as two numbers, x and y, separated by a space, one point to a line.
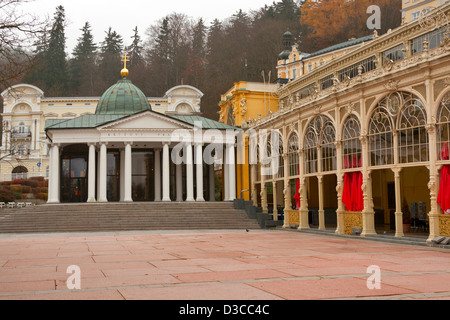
122 175
189 174
38 133
166 173
92 171
128 173
226 178
199 163
321 200
103 173
157 175
398 203
212 184
33 134
179 179
231 172
54 175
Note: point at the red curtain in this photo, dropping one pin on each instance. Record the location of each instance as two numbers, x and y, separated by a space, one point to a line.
352 195
297 194
444 187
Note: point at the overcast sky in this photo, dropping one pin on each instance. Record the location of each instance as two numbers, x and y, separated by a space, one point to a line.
124 16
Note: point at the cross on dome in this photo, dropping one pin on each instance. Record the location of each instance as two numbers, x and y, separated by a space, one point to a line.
125 59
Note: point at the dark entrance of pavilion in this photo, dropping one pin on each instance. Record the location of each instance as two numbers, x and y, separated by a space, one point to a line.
143 176
74 167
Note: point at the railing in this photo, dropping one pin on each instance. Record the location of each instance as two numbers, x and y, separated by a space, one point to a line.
21 176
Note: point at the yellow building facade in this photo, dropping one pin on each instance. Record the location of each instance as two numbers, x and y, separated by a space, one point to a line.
244 103
411 9
293 63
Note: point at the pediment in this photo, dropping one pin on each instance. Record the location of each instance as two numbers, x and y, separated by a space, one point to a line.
146 121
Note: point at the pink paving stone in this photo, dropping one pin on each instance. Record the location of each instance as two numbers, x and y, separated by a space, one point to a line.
225 292
328 271
27 286
420 282
196 262
231 276
198 255
106 266
48 262
72 295
133 257
153 270
326 289
121 281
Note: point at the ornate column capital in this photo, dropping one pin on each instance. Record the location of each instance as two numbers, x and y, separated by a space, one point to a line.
396 171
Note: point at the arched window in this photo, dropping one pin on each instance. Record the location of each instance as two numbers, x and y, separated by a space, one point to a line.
381 138
310 151
443 128
274 164
278 163
352 149
230 119
328 146
320 133
408 113
412 134
293 155
19 172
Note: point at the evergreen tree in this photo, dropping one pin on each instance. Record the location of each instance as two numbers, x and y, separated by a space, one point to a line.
110 58
161 58
35 74
135 51
56 77
82 67
195 70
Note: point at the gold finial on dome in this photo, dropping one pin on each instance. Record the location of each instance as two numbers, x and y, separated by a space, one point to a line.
124 71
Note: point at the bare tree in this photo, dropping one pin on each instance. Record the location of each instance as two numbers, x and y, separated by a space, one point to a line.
18 32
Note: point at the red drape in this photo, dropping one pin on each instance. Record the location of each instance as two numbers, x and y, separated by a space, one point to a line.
352 195
444 187
297 193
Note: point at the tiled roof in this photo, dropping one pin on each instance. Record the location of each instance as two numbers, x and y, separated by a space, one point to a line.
341 45
94 121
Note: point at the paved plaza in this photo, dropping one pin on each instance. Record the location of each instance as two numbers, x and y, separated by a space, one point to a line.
217 265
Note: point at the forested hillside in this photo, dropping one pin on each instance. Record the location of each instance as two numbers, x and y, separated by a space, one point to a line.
179 49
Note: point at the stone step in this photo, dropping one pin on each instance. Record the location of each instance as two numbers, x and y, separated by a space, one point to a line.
125 217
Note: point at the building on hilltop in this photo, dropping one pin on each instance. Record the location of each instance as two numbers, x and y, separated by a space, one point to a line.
412 9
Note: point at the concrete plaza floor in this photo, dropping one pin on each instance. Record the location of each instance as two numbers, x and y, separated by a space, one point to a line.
217 265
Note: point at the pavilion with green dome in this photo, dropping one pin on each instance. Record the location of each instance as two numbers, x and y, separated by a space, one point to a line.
127 152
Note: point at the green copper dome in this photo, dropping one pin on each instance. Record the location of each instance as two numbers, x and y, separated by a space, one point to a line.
122 98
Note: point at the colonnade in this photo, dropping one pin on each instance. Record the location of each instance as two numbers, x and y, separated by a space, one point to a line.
97 173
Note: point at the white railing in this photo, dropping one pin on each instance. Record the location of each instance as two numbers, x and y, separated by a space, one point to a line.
21 176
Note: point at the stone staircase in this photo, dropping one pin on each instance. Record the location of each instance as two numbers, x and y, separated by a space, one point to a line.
124 217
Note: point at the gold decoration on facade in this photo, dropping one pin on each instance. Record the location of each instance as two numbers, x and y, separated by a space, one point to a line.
352 220
444 225
294 217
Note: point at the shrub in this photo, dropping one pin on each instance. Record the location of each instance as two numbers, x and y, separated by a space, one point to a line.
17 195
43 184
6 196
30 183
42 196
39 179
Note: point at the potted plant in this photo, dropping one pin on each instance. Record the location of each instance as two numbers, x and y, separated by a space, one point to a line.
406 217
